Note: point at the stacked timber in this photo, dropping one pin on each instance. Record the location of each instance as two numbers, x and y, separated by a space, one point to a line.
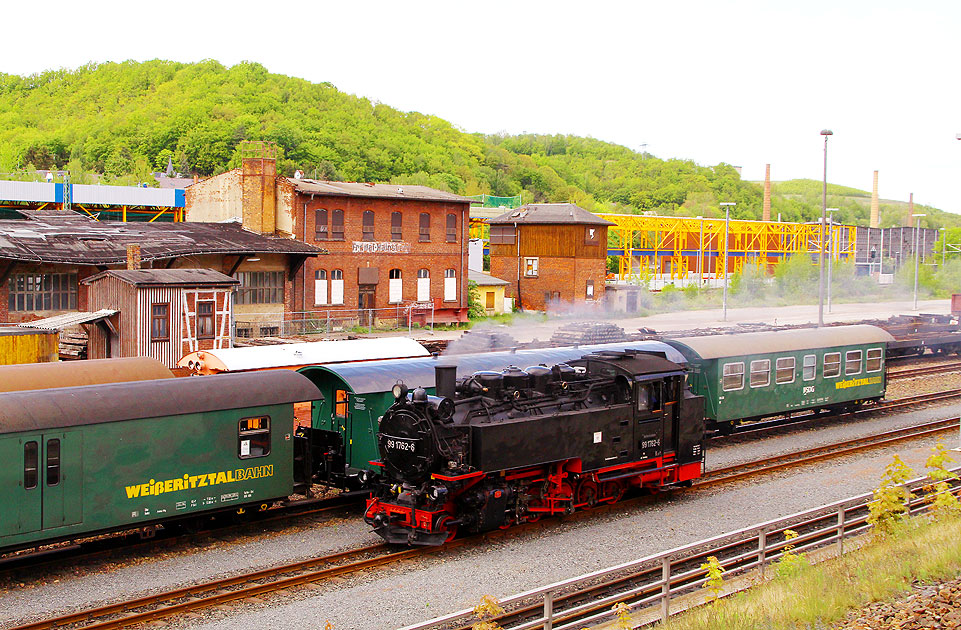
581 333
73 345
486 340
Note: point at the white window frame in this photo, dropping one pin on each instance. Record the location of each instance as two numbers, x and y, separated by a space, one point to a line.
530 267
395 287
824 365
725 373
755 369
848 359
423 285
813 367
874 354
337 286
778 368
320 287
450 285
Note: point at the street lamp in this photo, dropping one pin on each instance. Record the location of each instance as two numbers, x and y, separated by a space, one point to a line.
727 219
831 211
917 257
700 256
944 244
824 206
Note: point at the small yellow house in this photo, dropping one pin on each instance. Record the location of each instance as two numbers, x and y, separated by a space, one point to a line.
491 291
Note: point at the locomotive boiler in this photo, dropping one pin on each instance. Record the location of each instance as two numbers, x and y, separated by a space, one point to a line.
504 447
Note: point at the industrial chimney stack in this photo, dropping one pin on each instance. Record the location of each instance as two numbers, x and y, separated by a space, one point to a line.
766 216
875 208
909 218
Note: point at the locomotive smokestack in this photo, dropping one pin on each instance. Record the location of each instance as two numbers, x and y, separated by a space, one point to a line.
445 380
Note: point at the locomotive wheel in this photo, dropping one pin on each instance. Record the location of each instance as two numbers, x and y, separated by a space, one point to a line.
444 526
586 494
613 491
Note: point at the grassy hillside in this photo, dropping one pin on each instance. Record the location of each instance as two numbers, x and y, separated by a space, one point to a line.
123 120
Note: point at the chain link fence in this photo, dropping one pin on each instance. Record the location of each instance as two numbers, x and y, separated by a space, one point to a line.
327 321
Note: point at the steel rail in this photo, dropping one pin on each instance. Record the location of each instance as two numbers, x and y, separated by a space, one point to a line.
924 370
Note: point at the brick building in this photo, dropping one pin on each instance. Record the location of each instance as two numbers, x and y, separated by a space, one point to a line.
550 252
389 246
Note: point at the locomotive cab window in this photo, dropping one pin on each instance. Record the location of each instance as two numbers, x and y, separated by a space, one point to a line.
832 364
253 437
852 362
733 376
761 373
649 397
873 363
810 367
784 370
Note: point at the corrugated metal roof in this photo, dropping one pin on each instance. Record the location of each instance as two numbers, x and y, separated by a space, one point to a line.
62 237
485 279
296 354
382 191
737 345
21 330
59 322
550 213
380 376
167 277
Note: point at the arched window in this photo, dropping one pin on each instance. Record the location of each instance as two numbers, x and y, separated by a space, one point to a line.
368 225
337 225
450 285
423 285
320 286
452 228
337 286
424 235
395 287
396 226
320 225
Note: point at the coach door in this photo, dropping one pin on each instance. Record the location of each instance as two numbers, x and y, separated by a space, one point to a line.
62 479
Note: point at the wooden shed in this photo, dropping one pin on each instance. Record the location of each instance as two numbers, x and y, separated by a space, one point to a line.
20 344
164 313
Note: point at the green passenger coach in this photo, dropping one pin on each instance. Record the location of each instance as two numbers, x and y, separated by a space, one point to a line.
755 375
90 459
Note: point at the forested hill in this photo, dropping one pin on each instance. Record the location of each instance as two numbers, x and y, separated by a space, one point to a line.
124 120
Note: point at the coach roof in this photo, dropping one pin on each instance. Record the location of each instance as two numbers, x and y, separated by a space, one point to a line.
738 345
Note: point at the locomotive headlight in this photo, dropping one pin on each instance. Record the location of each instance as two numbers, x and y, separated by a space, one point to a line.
399 390
437 494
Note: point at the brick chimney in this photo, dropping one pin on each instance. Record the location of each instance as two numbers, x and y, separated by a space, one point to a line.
133 256
909 218
766 216
875 208
259 181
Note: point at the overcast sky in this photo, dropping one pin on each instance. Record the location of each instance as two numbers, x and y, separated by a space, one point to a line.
747 83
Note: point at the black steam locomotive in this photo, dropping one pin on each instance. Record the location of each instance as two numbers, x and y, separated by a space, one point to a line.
499 448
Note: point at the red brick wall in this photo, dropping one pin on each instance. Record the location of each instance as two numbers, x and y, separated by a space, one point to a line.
436 255
7 315
568 276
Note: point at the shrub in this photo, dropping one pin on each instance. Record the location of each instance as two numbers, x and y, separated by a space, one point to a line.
888 508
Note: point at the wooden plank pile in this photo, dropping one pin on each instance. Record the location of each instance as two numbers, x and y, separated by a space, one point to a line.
581 333
73 345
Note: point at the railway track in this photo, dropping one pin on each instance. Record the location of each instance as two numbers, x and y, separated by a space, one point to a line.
219 592
924 370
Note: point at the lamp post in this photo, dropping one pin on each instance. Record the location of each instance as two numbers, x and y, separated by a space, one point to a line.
944 244
830 211
700 257
917 257
727 219
824 206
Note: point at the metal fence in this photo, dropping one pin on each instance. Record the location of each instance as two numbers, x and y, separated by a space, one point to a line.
322 322
657 579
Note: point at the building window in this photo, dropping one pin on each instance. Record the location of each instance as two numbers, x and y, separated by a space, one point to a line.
368 225
253 437
530 267
852 362
502 235
874 360
337 225
761 373
590 288
396 226
260 287
832 364
733 378
337 286
490 300
160 322
785 370
205 320
424 230
42 292
320 225
423 285
320 286
450 285
395 286
269 331
591 235
451 228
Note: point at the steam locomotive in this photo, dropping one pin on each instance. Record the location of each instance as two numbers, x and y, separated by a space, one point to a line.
499 448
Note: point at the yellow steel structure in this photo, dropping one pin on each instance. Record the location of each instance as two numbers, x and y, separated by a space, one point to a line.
685 247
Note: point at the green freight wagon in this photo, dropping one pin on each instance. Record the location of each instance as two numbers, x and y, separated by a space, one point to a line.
83 460
755 375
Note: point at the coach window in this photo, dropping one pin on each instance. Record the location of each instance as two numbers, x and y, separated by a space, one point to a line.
160 322
832 364
873 360
852 362
340 403
424 228
254 437
320 225
761 373
810 367
205 320
396 226
337 225
784 370
53 462
30 463
733 376
368 225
